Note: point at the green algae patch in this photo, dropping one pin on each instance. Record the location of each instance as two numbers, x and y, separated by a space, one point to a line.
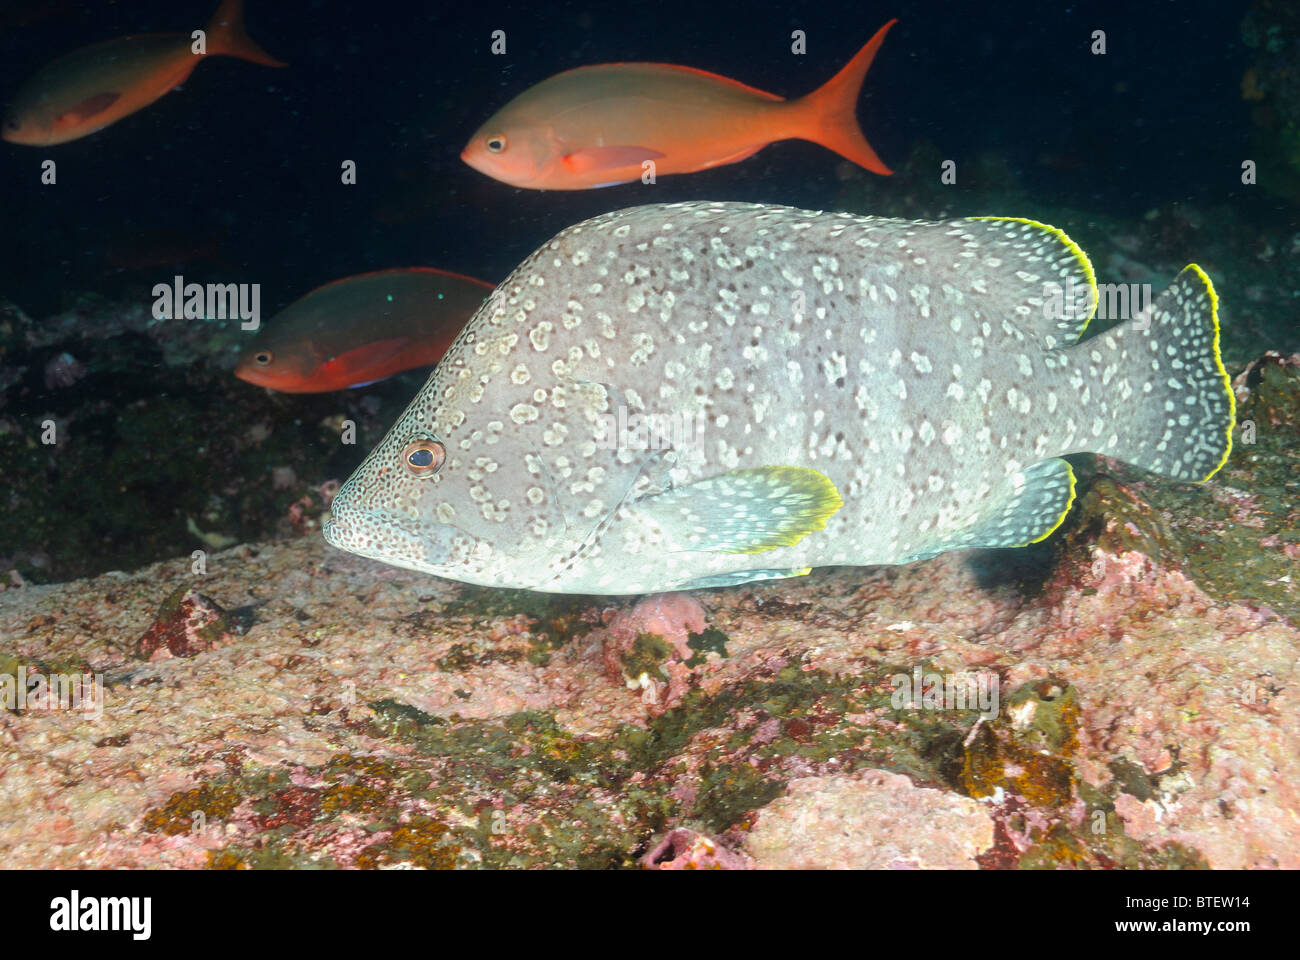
422 842
463 656
399 720
264 857
225 860
646 657
710 641
548 622
729 791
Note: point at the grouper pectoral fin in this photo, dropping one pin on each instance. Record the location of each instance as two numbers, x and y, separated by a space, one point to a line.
744 511
1029 507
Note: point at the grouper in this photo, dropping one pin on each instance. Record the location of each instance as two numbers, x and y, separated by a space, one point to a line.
694 395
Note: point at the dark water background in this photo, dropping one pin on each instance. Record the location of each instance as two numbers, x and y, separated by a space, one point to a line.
245 159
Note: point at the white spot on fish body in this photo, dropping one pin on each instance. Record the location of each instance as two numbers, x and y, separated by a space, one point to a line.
540 335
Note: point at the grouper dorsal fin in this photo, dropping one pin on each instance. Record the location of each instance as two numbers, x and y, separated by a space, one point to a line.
1030 274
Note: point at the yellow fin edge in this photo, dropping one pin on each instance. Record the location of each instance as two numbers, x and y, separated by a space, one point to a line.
830 502
1064 513
1218 363
1085 264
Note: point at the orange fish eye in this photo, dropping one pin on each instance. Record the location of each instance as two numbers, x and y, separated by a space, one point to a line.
264 358
497 144
423 458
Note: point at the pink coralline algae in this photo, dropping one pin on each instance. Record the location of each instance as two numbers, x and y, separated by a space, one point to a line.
684 849
869 820
647 646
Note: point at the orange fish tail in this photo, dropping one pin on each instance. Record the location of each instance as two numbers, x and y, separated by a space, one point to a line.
830 112
227 37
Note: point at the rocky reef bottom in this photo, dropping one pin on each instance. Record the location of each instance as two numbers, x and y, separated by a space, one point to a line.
1120 696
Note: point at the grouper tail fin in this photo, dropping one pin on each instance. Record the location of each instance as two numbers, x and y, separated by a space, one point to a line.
1162 369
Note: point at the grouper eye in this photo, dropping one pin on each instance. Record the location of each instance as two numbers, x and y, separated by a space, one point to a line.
497 144
423 458
11 124
264 357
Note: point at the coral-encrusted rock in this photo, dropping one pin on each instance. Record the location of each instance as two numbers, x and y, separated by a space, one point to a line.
684 849
1269 387
647 646
872 820
188 623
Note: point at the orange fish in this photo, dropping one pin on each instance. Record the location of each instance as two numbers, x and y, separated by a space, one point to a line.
595 126
360 329
95 86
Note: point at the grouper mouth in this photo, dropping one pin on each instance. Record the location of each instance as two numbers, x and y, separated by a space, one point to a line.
438 549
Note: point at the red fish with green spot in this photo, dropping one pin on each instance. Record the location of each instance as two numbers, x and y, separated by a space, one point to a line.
89 89
596 126
361 329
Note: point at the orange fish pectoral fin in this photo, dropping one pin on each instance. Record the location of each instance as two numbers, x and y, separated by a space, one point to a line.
363 360
90 107
608 158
